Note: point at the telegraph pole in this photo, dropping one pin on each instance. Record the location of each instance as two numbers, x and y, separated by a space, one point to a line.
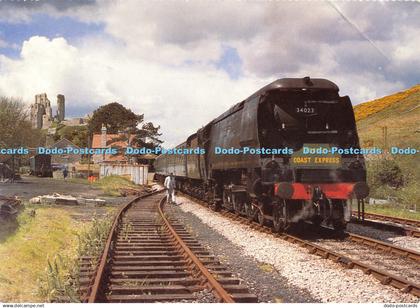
385 136
89 146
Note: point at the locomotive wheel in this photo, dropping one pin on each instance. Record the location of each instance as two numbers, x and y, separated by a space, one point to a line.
278 219
237 208
226 202
235 205
250 211
238 204
260 218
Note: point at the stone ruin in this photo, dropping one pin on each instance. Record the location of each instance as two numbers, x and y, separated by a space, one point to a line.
41 112
61 108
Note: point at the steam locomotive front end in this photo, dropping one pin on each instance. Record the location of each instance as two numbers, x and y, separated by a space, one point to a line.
323 168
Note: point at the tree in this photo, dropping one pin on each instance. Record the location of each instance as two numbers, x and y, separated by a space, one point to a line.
15 127
117 119
76 134
148 136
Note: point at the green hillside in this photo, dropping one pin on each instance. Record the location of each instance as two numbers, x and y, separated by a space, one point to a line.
400 114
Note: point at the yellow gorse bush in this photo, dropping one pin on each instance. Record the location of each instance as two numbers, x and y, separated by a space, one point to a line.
364 110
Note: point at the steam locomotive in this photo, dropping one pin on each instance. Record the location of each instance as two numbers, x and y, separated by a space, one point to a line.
295 157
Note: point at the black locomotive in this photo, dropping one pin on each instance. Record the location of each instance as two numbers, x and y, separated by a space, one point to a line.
271 178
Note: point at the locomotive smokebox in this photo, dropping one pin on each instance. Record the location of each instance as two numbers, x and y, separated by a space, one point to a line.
284 190
361 190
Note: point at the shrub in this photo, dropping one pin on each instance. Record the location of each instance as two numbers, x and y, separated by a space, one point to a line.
60 283
409 195
385 172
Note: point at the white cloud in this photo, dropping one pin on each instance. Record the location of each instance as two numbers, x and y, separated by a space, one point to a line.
180 99
278 39
173 32
161 57
41 66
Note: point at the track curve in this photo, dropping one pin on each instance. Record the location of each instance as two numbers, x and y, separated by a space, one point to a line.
149 257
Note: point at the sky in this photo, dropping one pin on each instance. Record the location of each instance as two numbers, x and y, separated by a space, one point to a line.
182 63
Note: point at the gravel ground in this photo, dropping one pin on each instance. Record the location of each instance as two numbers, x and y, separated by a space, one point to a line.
205 296
388 262
324 280
31 187
386 236
261 278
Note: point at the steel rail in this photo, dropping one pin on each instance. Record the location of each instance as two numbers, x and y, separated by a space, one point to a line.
94 289
403 221
380 245
384 277
211 281
410 254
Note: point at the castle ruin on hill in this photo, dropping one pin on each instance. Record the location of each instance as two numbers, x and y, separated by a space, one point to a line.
41 111
42 116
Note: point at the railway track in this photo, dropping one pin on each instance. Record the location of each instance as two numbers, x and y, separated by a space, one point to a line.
408 227
386 247
385 277
149 257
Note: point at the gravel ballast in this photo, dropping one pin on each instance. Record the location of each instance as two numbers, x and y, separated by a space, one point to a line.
261 279
324 280
408 242
388 262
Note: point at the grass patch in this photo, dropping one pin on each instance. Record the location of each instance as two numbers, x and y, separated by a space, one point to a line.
60 283
111 185
24 254
40 257
392 210
7 228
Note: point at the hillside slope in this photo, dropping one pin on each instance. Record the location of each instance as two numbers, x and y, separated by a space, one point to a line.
400 114
365 110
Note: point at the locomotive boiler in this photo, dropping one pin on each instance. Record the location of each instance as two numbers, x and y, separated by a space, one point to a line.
286 154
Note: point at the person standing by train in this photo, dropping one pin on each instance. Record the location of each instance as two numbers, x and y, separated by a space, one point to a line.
65 173
169 184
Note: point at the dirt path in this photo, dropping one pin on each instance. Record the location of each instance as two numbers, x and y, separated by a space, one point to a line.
30 187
